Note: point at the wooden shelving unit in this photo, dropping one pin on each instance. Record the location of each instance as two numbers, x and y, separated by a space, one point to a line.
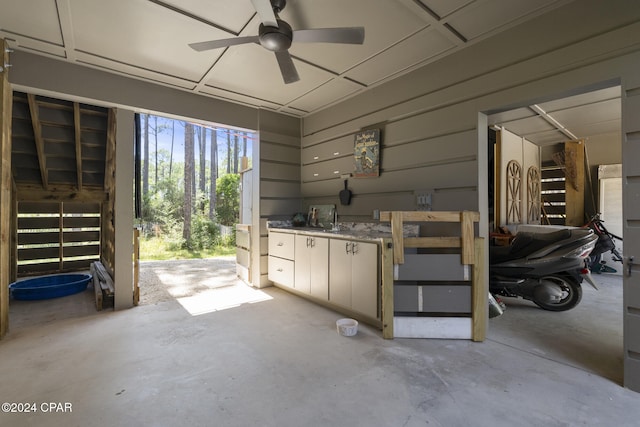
455 295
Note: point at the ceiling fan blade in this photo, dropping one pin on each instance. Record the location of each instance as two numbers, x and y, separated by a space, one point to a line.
349 35
265 12
217 44
288 70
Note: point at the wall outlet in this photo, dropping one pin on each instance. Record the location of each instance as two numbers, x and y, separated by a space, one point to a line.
423 200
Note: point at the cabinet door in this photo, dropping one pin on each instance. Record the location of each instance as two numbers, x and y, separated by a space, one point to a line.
302 264
319 268
340 272
364 279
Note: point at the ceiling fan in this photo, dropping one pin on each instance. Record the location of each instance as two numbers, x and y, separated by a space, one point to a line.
276 35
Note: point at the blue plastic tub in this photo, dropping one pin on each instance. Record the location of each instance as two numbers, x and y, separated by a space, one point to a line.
46 287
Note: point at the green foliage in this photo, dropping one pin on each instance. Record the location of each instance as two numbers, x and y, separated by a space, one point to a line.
228 204
153 248
204 233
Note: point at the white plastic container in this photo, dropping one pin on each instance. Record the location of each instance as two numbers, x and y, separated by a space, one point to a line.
347 327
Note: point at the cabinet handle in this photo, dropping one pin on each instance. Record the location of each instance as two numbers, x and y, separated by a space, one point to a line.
280 244
346 247
354 248
313 241
279 270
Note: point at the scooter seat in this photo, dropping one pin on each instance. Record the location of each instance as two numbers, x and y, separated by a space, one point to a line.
526 243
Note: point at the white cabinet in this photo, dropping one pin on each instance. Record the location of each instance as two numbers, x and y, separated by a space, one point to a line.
353 275
341 271
312 266
281 256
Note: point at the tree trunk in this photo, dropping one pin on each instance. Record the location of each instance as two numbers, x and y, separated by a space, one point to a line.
236 153
188 180
244 144
214 174
145 169
203 164
173 135
155 119
228 152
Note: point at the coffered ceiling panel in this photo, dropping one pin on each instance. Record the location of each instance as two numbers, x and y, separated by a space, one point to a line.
445 7
385 23
35 19
333 90
149 40
136 33
231 15
483 17
412 51
580 116
252 69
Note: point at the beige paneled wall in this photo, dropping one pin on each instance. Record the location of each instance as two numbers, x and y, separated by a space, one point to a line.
279 181
423 151
429 117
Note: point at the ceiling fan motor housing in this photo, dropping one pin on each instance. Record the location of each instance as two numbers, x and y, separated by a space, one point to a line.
276 38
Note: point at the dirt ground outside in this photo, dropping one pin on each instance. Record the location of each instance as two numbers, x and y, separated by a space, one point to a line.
167 280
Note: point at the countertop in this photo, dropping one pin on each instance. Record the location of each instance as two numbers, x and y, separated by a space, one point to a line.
351 230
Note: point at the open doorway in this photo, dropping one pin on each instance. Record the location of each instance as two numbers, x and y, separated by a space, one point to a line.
590 336
189 193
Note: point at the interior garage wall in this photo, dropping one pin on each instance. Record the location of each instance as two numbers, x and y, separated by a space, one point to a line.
279 182
429 117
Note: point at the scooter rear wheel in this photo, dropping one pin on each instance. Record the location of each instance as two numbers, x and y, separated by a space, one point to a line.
570 289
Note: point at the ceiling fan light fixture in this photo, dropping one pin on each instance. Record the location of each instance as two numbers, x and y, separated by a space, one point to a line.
276 39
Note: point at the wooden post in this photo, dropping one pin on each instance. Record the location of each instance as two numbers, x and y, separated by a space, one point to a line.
479 295
6 101
387 289
466 236
397 232
136 266
574 182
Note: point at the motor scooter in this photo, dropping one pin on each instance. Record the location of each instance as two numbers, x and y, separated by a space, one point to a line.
604 244
542 267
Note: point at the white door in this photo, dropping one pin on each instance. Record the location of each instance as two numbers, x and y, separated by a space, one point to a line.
631 229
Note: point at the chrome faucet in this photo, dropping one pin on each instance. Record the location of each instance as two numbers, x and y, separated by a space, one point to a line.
335 226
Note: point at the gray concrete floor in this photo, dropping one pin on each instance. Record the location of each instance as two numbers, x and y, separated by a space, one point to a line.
278 361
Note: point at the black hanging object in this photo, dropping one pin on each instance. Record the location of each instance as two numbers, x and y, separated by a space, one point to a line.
345 195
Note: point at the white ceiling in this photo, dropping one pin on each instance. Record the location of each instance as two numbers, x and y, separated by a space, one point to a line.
580 116
148 39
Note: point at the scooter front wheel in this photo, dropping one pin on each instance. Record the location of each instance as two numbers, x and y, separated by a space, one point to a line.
557 293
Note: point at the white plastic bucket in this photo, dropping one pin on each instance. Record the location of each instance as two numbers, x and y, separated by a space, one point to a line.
347 327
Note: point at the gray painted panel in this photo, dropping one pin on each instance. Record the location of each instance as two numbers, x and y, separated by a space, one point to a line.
280 153
632 325
269 170
405 298
280 189
432 267
280 207
456 175
435 298
431 151
327 170
326 150
278 138
446 299
279 123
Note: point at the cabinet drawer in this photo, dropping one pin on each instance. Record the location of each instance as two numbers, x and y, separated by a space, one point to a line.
281 271
282 245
